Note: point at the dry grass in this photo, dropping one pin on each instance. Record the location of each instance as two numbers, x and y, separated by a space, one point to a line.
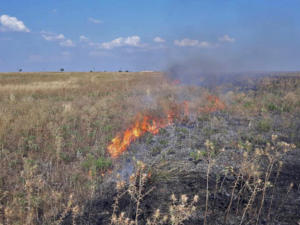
273 95
179 209
54 129
249 190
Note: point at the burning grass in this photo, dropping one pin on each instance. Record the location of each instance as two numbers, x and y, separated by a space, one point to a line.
58 131
151 124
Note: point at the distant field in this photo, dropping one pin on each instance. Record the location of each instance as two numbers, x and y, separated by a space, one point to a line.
55 129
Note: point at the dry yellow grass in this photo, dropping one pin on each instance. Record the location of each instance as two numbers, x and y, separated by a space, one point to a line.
54 129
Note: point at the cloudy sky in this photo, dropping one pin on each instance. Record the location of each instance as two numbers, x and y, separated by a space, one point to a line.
136 35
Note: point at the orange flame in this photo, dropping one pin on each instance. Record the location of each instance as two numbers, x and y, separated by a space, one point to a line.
120 143
214 104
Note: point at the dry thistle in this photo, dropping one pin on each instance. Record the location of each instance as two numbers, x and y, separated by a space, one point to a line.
184 199
173 198
157 213
196 198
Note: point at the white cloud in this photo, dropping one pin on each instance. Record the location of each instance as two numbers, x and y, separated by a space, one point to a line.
83 38
60 38
112 44
12 24
204 44
87 41
159 40
52 37
186 42
67 43
134 41
227 38
96 21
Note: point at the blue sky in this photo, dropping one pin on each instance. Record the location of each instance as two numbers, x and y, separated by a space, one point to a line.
149 35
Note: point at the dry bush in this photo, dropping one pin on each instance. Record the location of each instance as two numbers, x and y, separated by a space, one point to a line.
179 209
249 190
253 183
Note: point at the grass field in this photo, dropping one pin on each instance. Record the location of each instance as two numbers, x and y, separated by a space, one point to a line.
55 129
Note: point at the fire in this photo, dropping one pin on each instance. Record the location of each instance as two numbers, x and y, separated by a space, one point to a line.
121 142
146 123
214 104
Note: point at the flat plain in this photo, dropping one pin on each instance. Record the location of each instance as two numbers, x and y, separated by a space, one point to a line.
55 129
